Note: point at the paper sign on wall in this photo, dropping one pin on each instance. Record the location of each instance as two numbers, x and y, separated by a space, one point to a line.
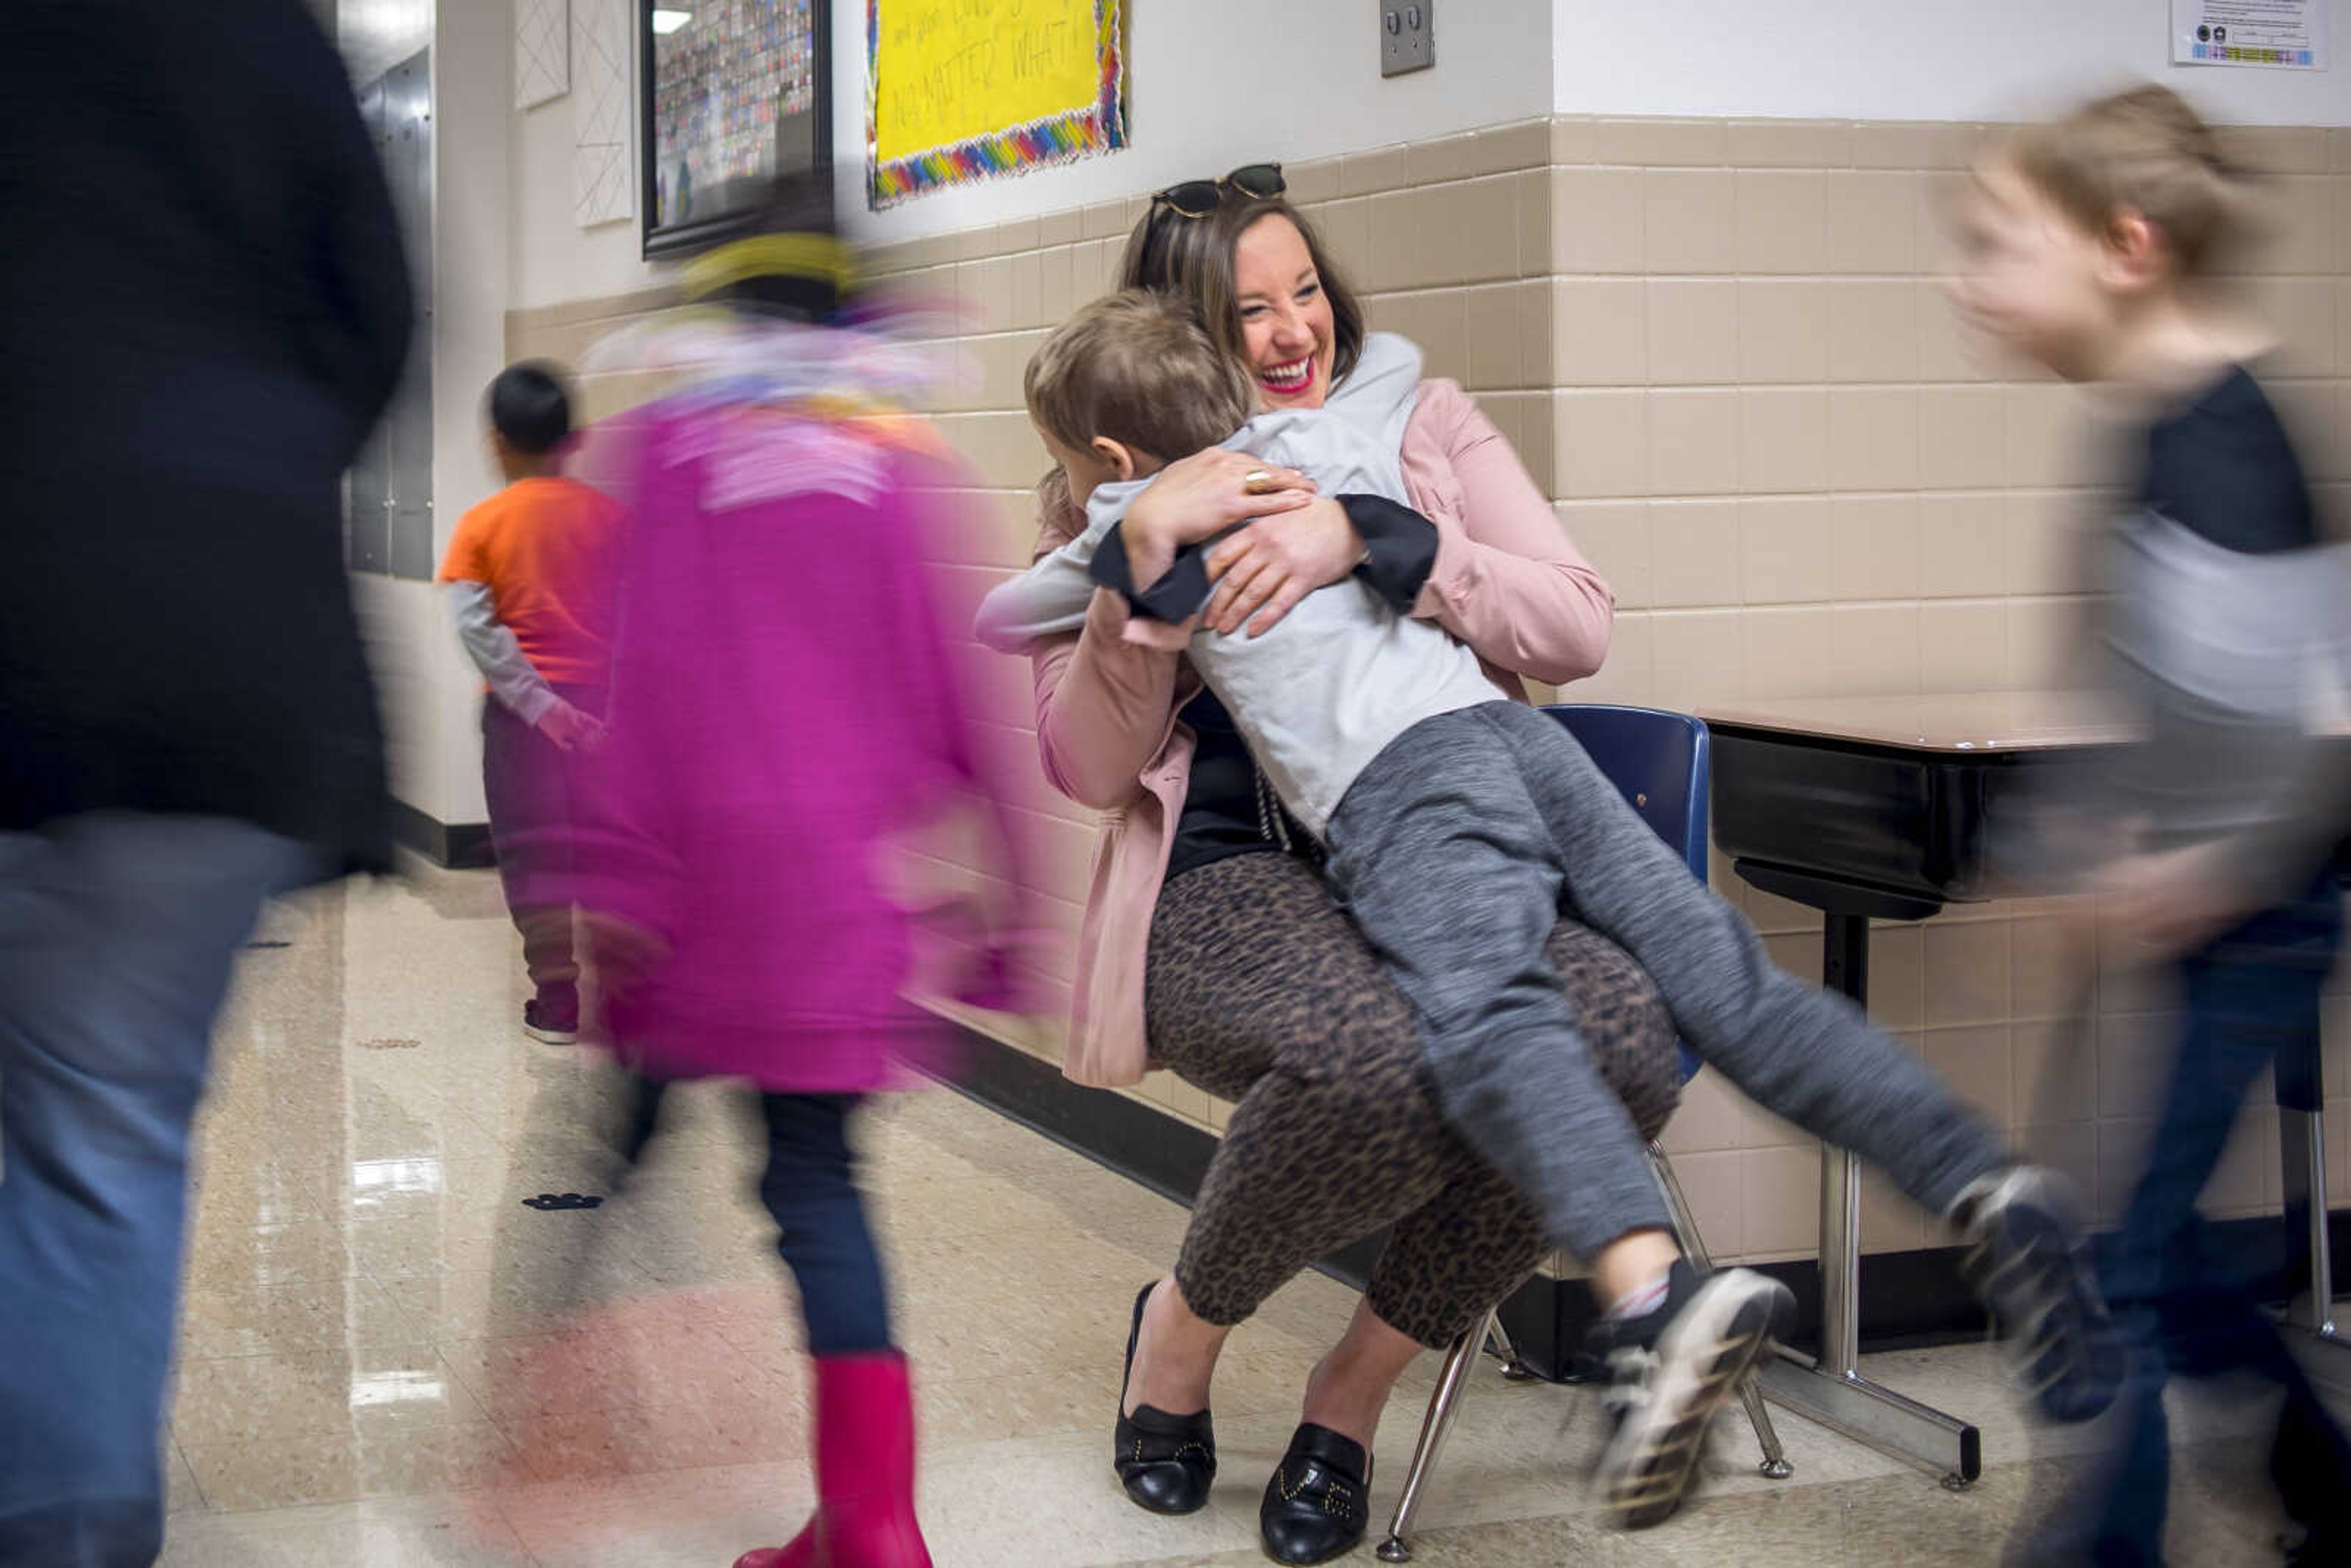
602 187
2283 34
961 90
542 57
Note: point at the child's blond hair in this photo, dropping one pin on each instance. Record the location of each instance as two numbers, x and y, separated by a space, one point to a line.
1140 368
2143 150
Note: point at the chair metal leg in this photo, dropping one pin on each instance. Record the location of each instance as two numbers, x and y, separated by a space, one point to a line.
1774 1464
1498 1341
1443 1406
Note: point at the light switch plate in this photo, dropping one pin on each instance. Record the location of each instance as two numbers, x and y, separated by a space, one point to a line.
1407 37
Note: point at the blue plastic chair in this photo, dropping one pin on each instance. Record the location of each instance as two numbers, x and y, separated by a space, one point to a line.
1658 762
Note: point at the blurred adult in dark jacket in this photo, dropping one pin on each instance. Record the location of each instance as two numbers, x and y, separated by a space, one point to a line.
203 308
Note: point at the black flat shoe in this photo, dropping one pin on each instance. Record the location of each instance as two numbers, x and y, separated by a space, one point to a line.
1166 1462
1318 1500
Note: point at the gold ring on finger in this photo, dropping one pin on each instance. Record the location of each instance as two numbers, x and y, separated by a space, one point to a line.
1257 482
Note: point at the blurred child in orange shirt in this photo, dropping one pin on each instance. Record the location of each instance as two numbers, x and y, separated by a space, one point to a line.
530 577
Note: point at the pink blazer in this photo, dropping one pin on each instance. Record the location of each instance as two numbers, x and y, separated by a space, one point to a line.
1507 581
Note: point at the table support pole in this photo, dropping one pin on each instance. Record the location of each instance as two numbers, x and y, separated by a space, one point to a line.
1831 1390
2302 1151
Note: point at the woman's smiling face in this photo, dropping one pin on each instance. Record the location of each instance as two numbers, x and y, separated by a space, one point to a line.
1286 323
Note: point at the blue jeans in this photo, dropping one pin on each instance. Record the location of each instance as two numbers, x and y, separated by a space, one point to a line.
2248 999
809 1187
1455 852
118 933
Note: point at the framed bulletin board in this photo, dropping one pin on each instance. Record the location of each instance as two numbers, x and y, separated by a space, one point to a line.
957 92
734 92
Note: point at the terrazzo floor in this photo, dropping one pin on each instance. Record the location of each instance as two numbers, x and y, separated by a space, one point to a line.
389 1361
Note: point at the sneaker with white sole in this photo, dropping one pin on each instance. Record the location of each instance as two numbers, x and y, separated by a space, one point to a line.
1668 1372
549 1023
2024 1257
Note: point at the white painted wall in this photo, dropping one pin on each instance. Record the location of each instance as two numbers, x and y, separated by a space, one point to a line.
1217 82
1212 83
432 697
552 257
473 97
1904 59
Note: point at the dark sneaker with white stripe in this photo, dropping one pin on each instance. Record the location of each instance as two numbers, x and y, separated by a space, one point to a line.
551 1021
2024 1257
1668 1372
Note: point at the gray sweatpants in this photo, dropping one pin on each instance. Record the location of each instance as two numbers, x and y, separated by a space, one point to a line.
1455 852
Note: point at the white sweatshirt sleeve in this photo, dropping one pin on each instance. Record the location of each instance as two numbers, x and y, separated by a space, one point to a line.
491 644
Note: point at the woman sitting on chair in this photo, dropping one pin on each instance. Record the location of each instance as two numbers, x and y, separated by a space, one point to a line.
1256 989
1209 934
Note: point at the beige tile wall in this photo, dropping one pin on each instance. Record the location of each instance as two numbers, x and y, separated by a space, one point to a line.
1721 346
1802 482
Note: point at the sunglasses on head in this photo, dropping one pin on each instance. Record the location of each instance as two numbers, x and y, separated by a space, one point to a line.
1198 198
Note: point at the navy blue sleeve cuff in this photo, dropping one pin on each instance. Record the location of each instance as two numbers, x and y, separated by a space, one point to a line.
1173 599
1402 546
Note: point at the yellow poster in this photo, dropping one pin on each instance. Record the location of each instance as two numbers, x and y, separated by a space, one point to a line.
960 89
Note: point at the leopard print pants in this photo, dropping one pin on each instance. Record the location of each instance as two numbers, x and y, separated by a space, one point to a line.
1260 991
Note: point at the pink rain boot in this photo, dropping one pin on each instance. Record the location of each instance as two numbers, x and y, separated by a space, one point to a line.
865 1471
798 1552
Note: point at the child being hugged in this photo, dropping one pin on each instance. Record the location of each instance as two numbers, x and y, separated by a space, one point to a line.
1456 824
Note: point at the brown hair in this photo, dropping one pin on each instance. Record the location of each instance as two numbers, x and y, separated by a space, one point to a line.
1138 368
1192 258
2141 150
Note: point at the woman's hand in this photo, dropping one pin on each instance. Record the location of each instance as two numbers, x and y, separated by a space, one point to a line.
1268 567
1198 497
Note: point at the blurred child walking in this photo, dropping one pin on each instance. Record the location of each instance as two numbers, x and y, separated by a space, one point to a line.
2089 247
530 575
784 706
